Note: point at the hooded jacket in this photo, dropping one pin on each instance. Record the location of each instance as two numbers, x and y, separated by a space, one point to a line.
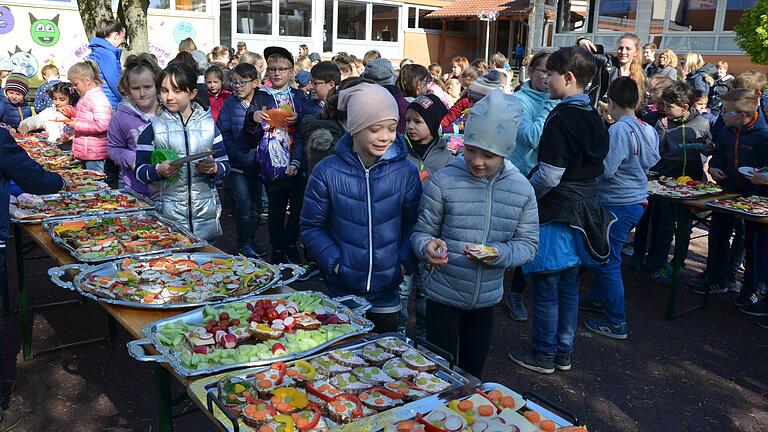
107 57
463 209
436 157
361 219
536 107
230 124
634 149
702 78
320 137
91 124
12 114
17 166
127 124
675 139
738 147
189 198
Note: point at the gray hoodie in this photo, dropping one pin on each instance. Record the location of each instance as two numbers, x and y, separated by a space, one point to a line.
633 150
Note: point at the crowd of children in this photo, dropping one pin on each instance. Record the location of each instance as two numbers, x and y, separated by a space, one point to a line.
349 157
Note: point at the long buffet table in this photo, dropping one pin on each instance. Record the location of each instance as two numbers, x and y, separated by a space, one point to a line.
131 319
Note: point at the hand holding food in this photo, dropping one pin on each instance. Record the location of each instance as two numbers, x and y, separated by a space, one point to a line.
68 111
480 254
167 169
717 174
436 252
261 115
207 166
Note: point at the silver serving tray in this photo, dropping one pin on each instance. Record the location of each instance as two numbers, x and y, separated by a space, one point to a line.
148 205
168 355
110 268
197 242
730 209
458 378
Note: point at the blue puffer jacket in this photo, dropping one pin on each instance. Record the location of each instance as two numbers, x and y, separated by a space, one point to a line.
361 220
12 114
536 108
107 57
745 146
230 124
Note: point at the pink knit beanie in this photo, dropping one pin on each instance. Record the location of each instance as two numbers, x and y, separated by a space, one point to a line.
367 104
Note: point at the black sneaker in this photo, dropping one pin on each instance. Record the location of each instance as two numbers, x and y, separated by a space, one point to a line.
294 257
758 309
562 361
533 361
697 281
278 257
516 307
714 288
763 323
746 298
591 305
311 269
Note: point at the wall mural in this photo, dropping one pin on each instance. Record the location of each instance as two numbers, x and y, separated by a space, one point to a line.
24 62
182 31
44 32
6 20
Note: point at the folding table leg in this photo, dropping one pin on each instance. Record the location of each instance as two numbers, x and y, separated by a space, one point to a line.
26 331
5 296
164 406
681 248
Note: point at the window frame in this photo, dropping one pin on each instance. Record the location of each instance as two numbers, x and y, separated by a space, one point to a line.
418 9
172 11
369 21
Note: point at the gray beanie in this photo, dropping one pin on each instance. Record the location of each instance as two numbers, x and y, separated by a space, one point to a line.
483 86
492 123
202 61
380 71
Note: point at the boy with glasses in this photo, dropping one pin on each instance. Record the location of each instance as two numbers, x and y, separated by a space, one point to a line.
271 126
323 77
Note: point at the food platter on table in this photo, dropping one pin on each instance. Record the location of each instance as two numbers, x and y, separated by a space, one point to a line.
751 205
27 208
681 188
342 389
180 280
254 332
120 235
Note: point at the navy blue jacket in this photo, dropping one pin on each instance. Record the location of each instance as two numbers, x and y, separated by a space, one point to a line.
17 166
12 114
230 124
362 220
107 57
746 146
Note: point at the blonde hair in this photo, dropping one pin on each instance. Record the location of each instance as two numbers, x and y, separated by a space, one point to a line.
303 63
743 99
498 60
751 80
187 45
693 60
671 57
84 69
49 69
636 67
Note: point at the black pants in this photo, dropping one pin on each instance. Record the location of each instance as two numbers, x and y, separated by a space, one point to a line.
384 322
3 285
282 233
516 280
465 333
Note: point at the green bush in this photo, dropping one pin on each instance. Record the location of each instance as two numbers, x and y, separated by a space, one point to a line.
752 32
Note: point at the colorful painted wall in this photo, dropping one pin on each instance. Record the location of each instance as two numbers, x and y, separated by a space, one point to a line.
34 36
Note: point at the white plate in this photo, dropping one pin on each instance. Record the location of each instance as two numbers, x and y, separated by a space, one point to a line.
751 171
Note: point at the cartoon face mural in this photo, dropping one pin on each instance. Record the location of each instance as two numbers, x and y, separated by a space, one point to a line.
45 32
6 20
24 62
182 31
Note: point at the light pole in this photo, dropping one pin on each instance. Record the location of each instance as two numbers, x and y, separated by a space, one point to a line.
487 17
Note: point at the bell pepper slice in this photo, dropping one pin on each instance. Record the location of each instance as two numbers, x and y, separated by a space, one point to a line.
493 404
310 388
316 415
428 427
286 421
387 392
306 369
281 371
358 411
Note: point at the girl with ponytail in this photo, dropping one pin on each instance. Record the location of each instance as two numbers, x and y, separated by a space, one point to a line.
92 115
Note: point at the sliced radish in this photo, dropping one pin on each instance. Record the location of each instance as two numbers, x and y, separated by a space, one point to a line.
280 308
437 416
343 317
320 311
292 310
205 336
479 426
277 321
453 423
289 322
279 326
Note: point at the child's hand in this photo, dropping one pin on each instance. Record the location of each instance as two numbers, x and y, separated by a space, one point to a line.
69 122
23 129
759 177
717 174
261 116
291 171
290 121
207 166
436 253
167 169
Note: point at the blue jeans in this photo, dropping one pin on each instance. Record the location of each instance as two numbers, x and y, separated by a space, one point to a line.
555 303
246 192
607 285
96 165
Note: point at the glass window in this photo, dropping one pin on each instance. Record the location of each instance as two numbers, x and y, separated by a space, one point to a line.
693 15
429 23
572 16
385 23
225 23
411 17
733 12
351 17
296 18
617 15
160 4
254 16
190 5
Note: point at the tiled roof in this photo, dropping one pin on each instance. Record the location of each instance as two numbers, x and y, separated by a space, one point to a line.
471 8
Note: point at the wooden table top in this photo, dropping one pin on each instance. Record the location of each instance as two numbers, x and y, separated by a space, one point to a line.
132 319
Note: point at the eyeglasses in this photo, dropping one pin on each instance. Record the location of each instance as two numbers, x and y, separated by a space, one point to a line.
238 83
278 70
733 113
316 83
541 71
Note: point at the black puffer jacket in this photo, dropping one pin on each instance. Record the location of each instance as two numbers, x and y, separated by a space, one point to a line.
321 138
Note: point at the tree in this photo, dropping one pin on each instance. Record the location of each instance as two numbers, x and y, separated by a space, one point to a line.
752 32
132 13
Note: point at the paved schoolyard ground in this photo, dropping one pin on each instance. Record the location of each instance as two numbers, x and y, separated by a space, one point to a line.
705 372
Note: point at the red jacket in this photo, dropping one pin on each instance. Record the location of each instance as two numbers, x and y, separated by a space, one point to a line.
464 103
217 101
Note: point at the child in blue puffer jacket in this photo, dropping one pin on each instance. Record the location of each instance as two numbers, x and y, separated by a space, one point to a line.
360 206
13 107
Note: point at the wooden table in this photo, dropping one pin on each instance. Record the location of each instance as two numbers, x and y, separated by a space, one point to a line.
682 240
131 319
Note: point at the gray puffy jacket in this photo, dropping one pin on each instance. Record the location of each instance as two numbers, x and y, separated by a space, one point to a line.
463 209
189 199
